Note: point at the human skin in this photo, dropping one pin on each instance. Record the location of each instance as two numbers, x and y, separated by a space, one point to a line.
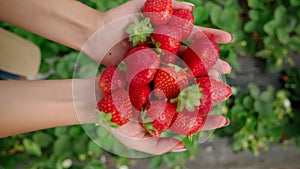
27 106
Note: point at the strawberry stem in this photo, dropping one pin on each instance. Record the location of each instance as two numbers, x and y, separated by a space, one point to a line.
105 118
139 30
188 98
147 123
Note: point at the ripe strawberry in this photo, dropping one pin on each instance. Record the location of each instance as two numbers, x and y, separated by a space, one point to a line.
168 57
201 55
169 81
166 38
115 109
158 116
159 11
139 96
193 104
183 21
111 79
206 104
141 66
219 91
186 122
133 50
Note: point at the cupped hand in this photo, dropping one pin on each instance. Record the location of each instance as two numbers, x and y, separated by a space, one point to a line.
108 46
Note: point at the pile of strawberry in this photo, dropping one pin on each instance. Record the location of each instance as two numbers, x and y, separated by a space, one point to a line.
161 83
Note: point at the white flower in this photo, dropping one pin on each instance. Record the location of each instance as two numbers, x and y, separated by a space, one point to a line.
287 103
124 167
67 163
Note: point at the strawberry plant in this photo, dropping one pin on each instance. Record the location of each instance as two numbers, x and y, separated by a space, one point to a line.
259 118
273 28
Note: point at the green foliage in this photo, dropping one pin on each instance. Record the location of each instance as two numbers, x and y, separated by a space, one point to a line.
273 27
291 82
259 118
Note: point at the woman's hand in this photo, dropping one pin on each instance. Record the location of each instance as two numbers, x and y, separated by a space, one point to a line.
109 43
114 44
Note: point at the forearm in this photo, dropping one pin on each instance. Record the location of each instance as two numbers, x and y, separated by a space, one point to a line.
33 105
68 22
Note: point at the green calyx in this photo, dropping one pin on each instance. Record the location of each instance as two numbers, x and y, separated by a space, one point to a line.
105 119
176 68
139 30
188 98
147 123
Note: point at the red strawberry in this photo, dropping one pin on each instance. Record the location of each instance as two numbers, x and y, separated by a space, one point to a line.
158 116
169 81
111 79
115 109
206 100
141 66
133 50
166 38
193 103
219 91
168 57
186 122
183 21
139 96
201 55
159 11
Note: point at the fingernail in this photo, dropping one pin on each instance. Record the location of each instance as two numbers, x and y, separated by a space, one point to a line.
190 4
227 122
179 150
232 38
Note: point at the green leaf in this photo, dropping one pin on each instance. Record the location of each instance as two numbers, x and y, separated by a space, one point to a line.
156 162
255 15
215 11
254 90
32 148
200 15
280 14
248 102
250 26
264 53
270 26
295 2
94 148
62 146
294 43
80 145
61 131
237 143
268 95
76 131
44 67
256 4
43 139
262 107
282 35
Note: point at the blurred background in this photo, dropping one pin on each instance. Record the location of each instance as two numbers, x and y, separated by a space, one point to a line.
264 109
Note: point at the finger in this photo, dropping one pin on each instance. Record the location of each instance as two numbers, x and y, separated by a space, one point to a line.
183 5
222 67
214 74
151 145
131 129
214 122
220 36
